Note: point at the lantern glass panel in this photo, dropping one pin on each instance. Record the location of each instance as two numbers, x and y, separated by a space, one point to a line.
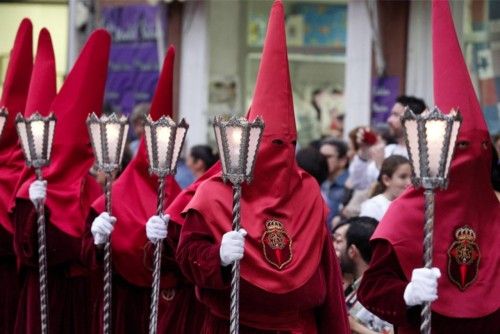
412 135
253 142
50 137
451 148
435 133
234 139
23 134
163 134
149 144
38 130
95 132
179 139
112 138
124 141
218 138
3 118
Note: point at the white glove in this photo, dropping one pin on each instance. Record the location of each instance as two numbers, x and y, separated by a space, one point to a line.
156 227
232 247
423 286
38 191
102 226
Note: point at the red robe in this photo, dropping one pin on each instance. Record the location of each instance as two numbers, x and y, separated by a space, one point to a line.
179 311
68 284
315 307
9 284
381 292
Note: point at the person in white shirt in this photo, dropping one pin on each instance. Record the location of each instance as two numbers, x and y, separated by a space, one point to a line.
394 178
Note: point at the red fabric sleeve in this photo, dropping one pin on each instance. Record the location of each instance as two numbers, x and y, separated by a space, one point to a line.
383 285
198 254
61 247
332 315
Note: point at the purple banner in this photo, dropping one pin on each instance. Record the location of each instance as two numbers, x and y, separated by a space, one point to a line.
385 90
134 67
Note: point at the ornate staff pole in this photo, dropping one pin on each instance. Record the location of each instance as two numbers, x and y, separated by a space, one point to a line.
238 141
108 135
36 134
430 140
164 140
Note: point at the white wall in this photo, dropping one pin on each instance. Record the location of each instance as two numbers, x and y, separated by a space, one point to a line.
358 66
193 95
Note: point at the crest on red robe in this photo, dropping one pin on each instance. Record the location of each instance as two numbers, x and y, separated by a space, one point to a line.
276 244
463 258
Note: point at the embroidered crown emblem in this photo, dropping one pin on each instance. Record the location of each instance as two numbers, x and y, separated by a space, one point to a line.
465 233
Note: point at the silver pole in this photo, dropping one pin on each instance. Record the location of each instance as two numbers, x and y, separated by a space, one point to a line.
155 292
425 326
107 264
235 280
42 262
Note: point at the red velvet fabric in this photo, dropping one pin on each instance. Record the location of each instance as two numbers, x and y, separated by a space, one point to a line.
177 206
135 195
9 285
179 311
14 95
317 306
381 292
68 284
81 94
469 199
279 190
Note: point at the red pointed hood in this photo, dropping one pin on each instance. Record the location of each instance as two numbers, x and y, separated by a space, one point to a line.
69 193
14 95
41 93
42 89
133 208
279 190
469 199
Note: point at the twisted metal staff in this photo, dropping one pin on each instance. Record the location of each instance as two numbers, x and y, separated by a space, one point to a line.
425 326
235 271
155 292
106 320
42 261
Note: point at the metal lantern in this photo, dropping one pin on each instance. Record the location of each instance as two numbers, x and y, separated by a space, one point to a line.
108 135
164 141
238 141
36 134
430 141
3 118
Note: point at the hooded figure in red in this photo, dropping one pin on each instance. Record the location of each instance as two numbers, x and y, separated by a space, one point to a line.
14 95
70 188
467 217
134 201
293 287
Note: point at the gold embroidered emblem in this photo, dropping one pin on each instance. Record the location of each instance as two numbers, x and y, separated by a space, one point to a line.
463 258
276 244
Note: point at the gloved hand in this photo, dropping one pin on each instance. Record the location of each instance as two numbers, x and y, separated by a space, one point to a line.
37 191
102 226
232 247
156 227
423 286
